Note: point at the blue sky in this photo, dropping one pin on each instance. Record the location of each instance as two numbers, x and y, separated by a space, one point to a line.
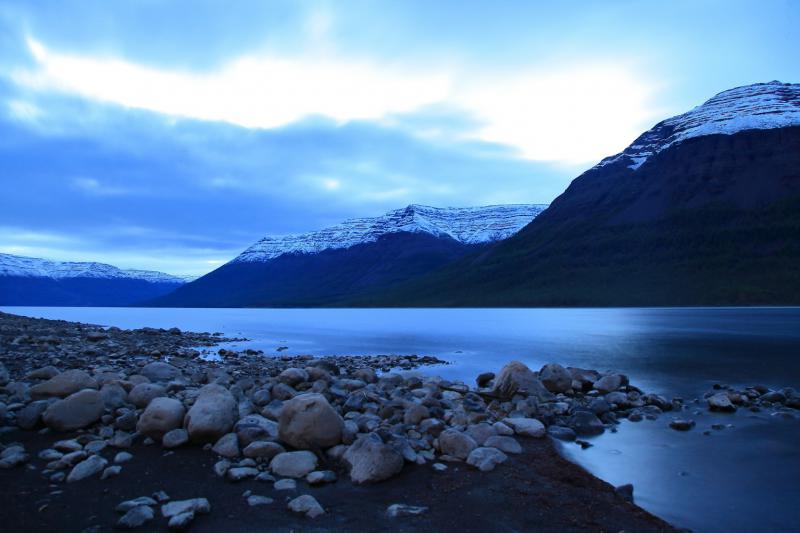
171 135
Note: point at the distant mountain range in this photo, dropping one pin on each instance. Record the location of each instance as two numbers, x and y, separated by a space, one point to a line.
702 209
354 259
32 281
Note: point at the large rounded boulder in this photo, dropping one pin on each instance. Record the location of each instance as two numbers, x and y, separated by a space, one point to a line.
63 384
212 415
76 411
555 378
308 421
517 378
161 416
160 372
370 460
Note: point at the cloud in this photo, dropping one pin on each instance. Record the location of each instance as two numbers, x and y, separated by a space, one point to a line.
573 113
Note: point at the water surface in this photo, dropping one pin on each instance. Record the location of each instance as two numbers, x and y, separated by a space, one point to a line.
743 478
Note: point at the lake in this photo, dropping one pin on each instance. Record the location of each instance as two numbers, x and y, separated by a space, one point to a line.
745 477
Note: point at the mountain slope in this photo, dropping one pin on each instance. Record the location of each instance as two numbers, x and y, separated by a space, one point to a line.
331 266
703 209
33 281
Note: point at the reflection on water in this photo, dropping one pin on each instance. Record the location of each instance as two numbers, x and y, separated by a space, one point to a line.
742 478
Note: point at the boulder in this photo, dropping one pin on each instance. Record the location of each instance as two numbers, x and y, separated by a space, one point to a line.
307 505
114 396
175 438
504 444
293 376
63 384
516 378
252 428
161 416
143 393
309 421
75 411
29 416
721 402
456 444
265 450
609 383
212 415
527 427
485 459
586 423
227 446
160 372
293 464
195 505
370 460
555 378
87 468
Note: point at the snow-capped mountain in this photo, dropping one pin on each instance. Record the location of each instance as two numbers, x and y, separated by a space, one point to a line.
352 260
753 107
466 225
32 267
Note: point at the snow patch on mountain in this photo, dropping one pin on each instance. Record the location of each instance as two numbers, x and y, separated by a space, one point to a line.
752 107
31 267
469 225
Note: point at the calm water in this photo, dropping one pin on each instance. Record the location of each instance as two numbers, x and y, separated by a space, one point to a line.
743 478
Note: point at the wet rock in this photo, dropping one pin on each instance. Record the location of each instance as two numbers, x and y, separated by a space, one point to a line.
309 421
114 396
175 438
87 468
306 505
293 464
111 471
181 521
293 376
625 492
285 484
609 383
486 459
504 444
122 457
227 446
320 477
681 424
75 411
136 517
527 427
29 416
415 414
586 423
143 393
63 385
160 372
194 505
212 415
561 433
483 379
45 372
400 509
161 416
265 450
481 432
371 460
241 472
254 500
253 428
515 378
456 444
721 402
555 378
127 505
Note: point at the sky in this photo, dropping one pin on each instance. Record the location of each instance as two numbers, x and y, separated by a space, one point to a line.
172 135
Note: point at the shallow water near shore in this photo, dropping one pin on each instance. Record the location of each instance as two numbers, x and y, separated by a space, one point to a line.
740 478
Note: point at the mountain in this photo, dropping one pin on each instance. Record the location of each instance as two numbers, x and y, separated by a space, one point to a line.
353 259
702 209
32 281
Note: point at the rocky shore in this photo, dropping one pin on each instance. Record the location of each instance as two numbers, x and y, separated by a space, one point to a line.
104 428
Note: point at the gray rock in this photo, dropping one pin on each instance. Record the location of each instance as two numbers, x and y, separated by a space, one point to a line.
161 416
265 450
293 464
254 500
320 477
175 438
45 372
515 378
681 424
625 492
586 423
456 444
309 421
241 472
4 376
160 372
721 402
212 415
136 517
122 457
555 378
415 414
561 433
293 376
609 383
63 385
504 444
285 484
371 461
253 428
114 396
29 416
483 379
481 432
127 505
400 509
87 468
486 459
307 505
75 411
227 446
181 521
111 471
194 505
527 427
143 393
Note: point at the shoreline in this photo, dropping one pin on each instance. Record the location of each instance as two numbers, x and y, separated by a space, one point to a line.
535 489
